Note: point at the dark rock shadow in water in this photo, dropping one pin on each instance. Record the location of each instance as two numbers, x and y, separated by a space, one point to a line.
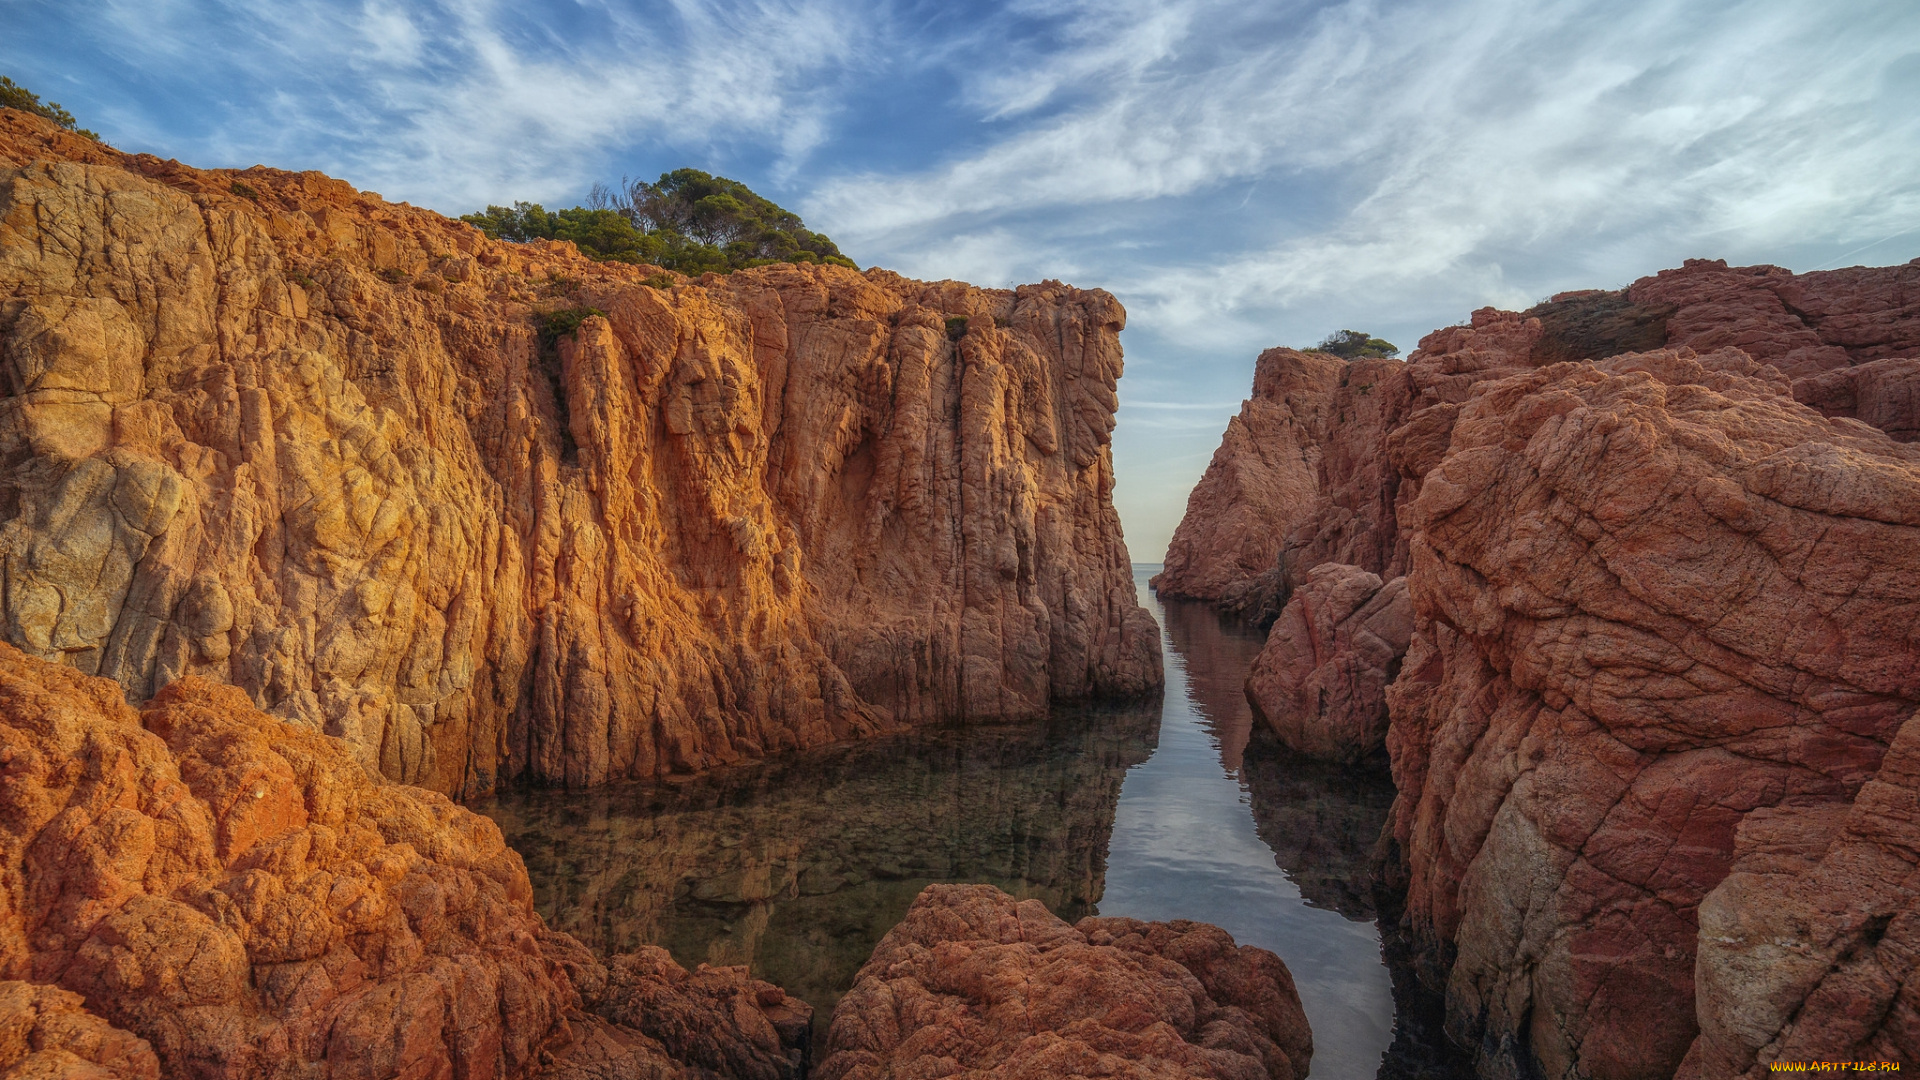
798 866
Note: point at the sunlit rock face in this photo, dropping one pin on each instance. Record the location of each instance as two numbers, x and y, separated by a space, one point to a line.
1659 551
274 432
798 867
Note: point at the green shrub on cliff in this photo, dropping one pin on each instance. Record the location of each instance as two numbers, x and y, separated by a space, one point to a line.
688 221
15 96
1353 344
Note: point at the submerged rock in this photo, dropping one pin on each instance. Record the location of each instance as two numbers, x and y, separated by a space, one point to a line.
974 982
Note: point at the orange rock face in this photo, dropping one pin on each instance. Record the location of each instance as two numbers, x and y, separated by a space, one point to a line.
204 891
1653 730
270 431
975 983
233 890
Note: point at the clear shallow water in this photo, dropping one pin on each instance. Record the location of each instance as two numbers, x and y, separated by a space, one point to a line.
1168 809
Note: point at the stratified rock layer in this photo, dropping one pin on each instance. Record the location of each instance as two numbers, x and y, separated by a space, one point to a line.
267 430
975 983
1653 730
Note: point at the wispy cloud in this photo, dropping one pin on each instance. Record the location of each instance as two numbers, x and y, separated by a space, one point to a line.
452 103
1240 175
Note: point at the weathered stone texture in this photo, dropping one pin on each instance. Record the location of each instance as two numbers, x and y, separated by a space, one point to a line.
1321 682
1264 475
1651 729
311 444
974 983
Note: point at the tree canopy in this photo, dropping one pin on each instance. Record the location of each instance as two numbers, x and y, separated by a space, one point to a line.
1353 344
15 96
687 221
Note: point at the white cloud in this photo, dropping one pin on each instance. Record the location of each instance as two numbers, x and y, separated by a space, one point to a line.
451 103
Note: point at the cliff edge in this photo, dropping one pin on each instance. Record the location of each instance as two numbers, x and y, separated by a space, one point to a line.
487 510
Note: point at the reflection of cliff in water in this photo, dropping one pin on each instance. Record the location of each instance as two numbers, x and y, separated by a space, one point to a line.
798 866
1322 822
1215 650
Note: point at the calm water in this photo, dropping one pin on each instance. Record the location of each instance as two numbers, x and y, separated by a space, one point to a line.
1173 809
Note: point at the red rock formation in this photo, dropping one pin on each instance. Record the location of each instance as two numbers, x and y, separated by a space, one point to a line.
1803 324
1658 597
1648 812
1321 681
268 430
1883 394
975 982
235 891
206 891
1264 476
47 1032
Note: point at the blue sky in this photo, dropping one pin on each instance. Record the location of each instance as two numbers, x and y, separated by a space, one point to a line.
1240 174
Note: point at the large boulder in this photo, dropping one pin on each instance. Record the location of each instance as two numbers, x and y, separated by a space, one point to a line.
1321 681
203 891
975 983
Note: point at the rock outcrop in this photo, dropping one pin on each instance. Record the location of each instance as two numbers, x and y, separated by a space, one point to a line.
1652 729
203 891
973 982
486 510
1321 682
1263 476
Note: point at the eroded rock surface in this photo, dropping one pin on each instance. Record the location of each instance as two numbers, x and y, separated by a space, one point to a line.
270 431
1263 477
204 891
47 1033
1321 681
1655 808
975 983
233 890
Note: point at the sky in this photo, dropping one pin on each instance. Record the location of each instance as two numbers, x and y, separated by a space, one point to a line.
1240 174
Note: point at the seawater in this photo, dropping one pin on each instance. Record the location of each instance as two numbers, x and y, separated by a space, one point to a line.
1176 808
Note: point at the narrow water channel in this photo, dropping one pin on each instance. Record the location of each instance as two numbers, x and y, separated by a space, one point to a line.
1170 809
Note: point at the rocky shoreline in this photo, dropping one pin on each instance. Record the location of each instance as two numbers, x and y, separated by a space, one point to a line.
1624 586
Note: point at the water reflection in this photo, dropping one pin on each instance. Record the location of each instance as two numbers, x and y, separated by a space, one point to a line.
798 867
1174 809
1220 826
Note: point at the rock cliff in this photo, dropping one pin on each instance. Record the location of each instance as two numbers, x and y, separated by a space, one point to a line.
1652 728
975 983
488 510
1264 476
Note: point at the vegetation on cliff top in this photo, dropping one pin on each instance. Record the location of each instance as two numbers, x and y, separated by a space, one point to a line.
15 96
688 221
1353 344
